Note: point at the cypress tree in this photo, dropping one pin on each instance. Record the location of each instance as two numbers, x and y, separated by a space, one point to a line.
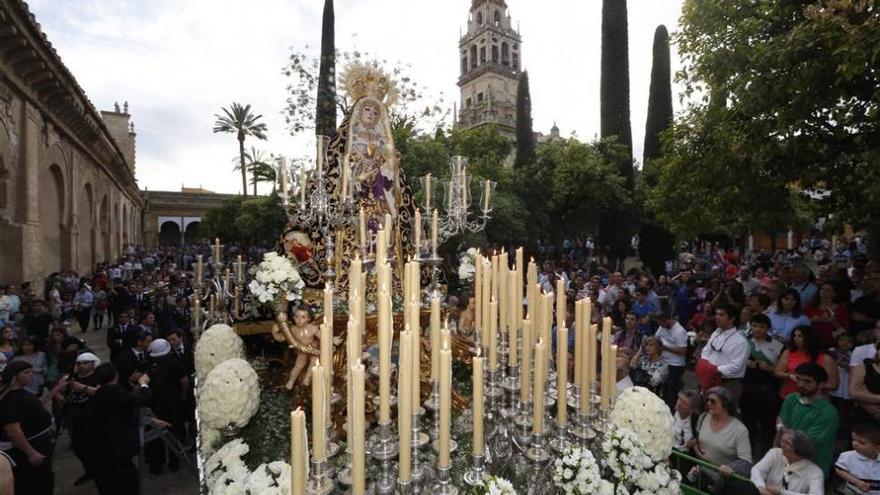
525 137
659 97
614 83
657 241
325 114
616 224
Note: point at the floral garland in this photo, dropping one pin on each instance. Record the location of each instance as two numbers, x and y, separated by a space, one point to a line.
644 413
577 473
467 267
274 276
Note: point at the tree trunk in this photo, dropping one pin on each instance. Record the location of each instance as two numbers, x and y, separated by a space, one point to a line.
241 162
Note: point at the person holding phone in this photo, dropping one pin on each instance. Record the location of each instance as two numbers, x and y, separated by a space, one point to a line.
74 394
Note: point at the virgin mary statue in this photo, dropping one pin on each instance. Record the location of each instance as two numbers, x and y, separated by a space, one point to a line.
364 165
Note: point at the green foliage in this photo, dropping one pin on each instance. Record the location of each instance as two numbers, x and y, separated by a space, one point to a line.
253 221
659 96
616 224
570 185
525 136
415 106
657 241
789 103
614 83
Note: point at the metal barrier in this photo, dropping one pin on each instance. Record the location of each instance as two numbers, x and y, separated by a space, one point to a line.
680 460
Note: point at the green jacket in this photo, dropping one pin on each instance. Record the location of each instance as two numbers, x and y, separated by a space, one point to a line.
818 420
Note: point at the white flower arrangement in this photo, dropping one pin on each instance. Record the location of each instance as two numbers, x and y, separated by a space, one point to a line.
217 344
208 439
467 267
661 480
225 466
227 474
577 473
230 394
623 456
274 276
643 412
493 485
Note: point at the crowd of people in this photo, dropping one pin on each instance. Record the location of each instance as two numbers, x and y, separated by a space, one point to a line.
53 383
768 361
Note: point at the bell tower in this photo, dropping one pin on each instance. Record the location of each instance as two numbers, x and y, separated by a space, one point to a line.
490 64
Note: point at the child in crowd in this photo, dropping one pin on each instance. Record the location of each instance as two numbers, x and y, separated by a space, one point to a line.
860 467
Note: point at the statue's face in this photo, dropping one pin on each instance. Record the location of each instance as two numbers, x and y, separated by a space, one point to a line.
369 114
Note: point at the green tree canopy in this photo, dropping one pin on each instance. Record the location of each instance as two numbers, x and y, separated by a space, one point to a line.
525 135
786 100
253 221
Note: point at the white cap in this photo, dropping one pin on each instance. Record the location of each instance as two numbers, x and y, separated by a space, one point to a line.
88 357
159 348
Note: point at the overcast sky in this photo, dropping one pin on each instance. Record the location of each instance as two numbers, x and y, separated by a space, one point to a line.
178 62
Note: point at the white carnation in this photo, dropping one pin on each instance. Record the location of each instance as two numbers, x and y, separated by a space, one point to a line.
643 412
217 344
229 395
577 473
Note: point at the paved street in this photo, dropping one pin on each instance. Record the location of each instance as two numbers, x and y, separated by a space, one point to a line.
68 468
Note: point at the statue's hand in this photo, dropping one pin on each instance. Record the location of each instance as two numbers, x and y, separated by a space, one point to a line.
277 336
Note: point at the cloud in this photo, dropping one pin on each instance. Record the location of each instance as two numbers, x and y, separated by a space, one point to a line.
178 62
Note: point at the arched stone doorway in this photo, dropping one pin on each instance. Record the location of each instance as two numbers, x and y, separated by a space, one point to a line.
190 235
104 223
169 234
52 217
86 228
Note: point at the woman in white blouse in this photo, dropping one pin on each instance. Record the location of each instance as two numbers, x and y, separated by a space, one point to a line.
787 469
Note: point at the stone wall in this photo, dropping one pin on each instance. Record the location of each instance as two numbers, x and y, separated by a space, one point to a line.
68 196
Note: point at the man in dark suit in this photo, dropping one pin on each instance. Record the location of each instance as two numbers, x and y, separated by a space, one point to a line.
116 335
114 417
132 359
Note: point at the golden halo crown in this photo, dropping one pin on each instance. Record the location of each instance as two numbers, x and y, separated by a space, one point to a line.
362 79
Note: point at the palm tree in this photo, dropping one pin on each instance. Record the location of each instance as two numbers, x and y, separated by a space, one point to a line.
260 167
239 120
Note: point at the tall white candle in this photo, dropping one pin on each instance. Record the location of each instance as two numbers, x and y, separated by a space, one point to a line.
478 405
427 191
540 374
445 407
434 226
404 406
562 376
385 336
417 245
285 187
357 422
362 228
299 453
435 339
318 413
